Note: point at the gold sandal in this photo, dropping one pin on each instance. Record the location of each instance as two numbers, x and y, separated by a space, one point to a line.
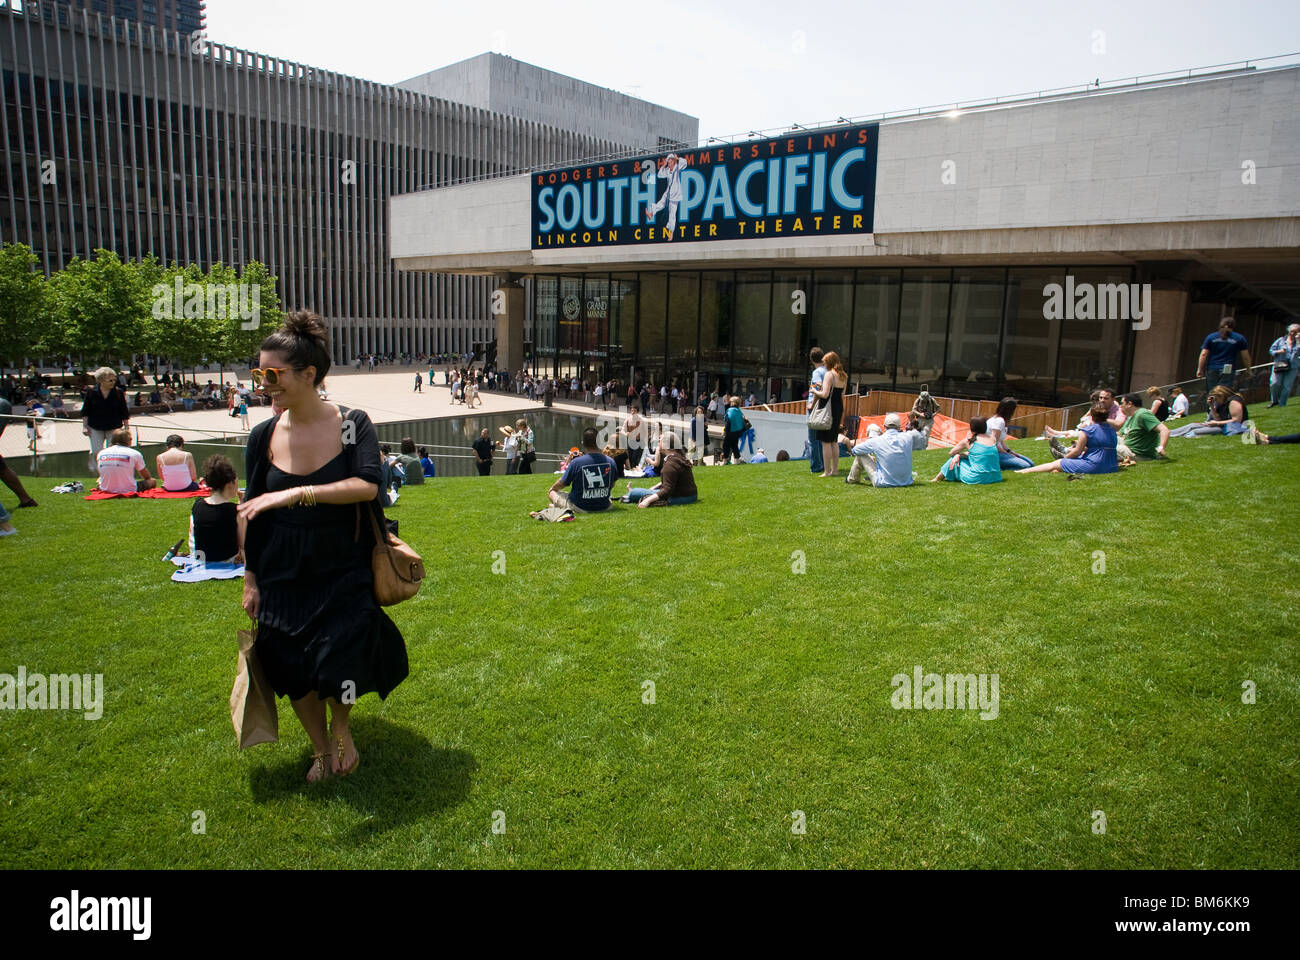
346 771
319 764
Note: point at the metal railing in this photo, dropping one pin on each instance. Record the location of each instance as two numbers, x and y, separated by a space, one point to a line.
1252 384
1093 88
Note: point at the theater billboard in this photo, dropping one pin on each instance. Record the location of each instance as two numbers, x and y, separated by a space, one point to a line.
808 183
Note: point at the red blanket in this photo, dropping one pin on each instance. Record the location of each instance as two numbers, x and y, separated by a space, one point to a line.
157 493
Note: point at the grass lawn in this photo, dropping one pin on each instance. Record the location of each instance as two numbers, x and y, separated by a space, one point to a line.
1120 691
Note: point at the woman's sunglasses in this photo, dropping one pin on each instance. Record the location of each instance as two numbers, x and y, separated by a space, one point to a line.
269 376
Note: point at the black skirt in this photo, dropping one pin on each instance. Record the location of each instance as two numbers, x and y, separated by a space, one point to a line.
319 627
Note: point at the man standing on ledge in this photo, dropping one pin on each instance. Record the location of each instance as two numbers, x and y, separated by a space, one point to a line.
670 169
1218 360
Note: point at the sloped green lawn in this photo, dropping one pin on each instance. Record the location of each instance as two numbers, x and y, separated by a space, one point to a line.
1120 692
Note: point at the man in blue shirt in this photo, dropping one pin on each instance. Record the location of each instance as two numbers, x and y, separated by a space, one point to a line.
591 477
1218 360
887 459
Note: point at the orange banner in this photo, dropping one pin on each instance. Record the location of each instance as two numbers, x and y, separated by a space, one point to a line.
946 432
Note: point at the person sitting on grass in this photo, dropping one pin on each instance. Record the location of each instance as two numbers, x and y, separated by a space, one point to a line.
412 469
1180 403
1159 406
1228 416
677 484
1052 434
1093 451
176 466
591 476
118 465
1143 436
216 529
1009 459
886 458
974 459
426 463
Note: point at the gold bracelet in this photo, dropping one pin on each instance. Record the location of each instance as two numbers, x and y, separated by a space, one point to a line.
311 496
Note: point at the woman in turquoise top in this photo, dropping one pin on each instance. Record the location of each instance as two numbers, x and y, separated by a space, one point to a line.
975 459
1093 452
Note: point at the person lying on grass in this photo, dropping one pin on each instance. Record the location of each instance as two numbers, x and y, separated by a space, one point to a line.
974 459
1093 452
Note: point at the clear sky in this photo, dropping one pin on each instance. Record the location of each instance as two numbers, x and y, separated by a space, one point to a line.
763 64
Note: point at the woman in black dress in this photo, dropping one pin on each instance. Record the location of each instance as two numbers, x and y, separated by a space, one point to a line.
832 391
313 472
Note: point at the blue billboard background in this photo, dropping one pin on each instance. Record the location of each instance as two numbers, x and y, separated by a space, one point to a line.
812 182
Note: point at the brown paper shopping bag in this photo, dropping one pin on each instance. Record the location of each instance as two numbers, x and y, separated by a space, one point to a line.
252 701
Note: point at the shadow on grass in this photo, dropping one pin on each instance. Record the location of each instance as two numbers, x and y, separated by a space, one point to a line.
402 777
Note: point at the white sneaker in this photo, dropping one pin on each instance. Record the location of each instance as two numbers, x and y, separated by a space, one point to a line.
8 533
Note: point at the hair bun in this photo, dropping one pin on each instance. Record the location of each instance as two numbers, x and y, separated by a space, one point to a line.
304 323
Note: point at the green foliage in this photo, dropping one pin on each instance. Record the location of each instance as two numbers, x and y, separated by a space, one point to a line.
102 307
108 310
1121 690
24 303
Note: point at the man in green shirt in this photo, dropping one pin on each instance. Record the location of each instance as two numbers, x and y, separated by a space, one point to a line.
1142 437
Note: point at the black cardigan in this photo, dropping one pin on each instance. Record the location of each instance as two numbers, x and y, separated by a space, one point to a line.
361 446
104 413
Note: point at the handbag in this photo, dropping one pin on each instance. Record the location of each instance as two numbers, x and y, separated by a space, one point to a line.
252 701
398 570
819 417
530 456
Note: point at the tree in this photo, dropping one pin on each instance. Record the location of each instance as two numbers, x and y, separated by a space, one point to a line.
24 304
241 336
102 307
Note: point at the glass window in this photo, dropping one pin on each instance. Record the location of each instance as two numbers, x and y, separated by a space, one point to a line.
788 361
1092 344
1029 343
595 328
753 315
683 330
922 328
569 333
622 326
545 312
651 314
830 320
974 329
717 299
875 328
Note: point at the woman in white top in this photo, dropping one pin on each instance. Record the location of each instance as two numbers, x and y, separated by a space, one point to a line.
176 467
997 429
1180 404
511 447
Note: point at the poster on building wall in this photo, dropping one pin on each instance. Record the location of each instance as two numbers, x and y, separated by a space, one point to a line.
807 183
